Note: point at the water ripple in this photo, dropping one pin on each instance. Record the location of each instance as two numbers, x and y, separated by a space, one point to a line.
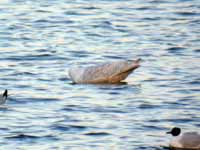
41 40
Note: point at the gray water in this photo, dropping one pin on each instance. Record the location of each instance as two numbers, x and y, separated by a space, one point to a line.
40 40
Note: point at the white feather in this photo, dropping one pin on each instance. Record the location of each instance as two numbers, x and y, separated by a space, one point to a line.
188 140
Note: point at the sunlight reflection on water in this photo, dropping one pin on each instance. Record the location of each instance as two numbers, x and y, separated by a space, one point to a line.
40 40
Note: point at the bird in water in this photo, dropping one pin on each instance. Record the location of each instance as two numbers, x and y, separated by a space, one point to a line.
113 72
3 97
184 141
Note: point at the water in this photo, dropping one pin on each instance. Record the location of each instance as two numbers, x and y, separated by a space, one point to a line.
40 40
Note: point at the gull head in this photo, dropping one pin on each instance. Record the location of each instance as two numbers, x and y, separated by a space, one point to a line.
175 131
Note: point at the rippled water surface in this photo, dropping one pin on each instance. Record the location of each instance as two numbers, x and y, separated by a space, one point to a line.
40 40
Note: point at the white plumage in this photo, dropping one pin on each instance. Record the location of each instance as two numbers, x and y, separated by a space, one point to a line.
112 72
187 140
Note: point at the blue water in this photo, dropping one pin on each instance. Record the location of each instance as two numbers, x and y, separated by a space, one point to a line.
40 40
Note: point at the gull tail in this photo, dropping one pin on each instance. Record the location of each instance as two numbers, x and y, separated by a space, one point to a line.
3 97
5 94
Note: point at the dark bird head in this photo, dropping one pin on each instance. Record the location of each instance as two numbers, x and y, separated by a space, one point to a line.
175 131
5 94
